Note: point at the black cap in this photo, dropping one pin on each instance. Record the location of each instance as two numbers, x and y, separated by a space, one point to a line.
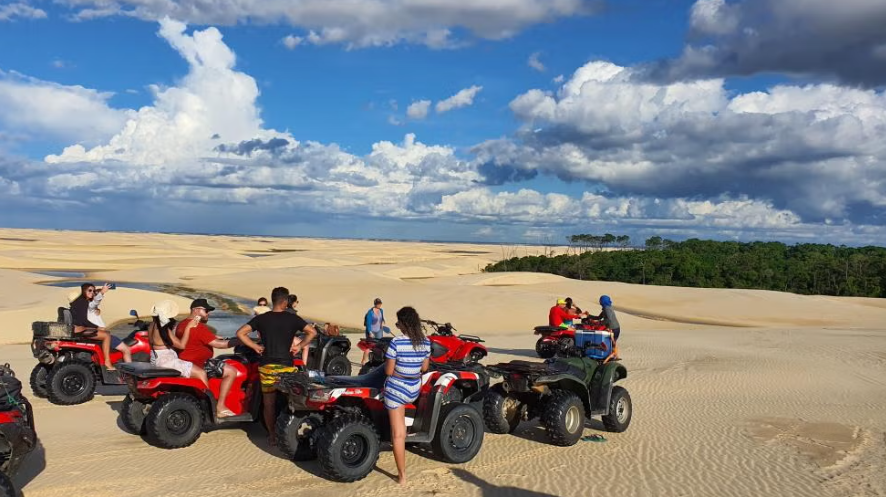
202 303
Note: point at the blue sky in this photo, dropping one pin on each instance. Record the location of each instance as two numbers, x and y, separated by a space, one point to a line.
669 118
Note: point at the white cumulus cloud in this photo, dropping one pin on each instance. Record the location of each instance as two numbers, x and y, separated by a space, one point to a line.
535 62
418 109
22 10
463 98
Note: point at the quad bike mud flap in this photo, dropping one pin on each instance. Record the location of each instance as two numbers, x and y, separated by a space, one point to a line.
601 386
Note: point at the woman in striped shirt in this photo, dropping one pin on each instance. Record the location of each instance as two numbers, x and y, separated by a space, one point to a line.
406 359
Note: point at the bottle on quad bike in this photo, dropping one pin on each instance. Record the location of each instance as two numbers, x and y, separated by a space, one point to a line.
18 437
341 420
446 346
69 366
562 393
172 411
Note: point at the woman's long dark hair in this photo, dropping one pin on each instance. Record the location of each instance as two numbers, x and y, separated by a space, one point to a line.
83 288
410 324
164 331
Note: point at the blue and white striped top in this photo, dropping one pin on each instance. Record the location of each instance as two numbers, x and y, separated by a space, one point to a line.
409 359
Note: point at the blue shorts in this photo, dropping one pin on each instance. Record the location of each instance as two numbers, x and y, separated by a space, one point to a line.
115 342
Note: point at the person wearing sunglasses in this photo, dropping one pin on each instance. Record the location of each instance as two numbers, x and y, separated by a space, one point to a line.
80 310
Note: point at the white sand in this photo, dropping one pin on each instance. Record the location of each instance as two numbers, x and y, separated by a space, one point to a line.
795 404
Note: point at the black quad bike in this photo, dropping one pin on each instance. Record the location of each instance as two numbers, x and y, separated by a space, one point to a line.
328 354
561 393
17 434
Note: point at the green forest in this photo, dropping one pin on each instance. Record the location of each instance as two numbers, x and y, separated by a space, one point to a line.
809 269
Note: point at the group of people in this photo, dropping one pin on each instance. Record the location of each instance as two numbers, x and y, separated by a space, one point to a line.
186 346
562 314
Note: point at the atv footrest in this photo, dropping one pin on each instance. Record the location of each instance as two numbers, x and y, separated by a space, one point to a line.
111 377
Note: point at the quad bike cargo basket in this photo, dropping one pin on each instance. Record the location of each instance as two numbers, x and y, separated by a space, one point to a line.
47 329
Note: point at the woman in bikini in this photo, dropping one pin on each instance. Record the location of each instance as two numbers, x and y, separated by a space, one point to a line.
406 359
161 336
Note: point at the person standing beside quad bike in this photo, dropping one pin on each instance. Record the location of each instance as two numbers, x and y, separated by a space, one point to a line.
607 316
407 357
80 310
278 330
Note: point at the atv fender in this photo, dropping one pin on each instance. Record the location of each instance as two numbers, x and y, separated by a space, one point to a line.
601 386
564 382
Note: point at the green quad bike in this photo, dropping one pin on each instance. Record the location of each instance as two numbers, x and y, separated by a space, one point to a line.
561 393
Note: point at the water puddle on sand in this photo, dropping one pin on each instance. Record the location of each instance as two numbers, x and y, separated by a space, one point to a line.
61 274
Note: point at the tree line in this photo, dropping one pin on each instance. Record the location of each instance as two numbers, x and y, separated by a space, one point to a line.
809 269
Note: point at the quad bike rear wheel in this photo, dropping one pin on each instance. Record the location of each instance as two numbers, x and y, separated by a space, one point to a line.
347 448
501 411
620 411
7 489
338 365
545 349
38 380
563 418
175 420
296 435
459 435
132 414
70 382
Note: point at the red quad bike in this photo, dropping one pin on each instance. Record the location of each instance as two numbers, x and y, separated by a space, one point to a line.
70 366
17 434
172 411
446 346
558 342
342 420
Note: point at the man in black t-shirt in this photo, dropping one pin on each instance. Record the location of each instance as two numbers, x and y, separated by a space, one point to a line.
278 330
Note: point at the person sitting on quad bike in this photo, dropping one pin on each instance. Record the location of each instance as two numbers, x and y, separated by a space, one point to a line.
572 308
407 357
80 308
558 316
198 350
164 341
278 330
607 316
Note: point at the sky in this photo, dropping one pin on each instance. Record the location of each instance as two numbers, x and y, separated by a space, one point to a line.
509 121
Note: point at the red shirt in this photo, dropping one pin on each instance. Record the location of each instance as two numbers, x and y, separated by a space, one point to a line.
558 315
198 350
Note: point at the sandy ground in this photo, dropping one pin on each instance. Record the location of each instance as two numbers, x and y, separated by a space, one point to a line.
735 392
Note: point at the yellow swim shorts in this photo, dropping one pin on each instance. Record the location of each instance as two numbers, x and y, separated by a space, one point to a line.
268 375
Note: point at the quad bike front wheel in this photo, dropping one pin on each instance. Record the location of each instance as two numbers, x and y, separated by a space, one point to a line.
620 411
133 413
296 435
545 349
70 382
347 448
338 365
38 380
501 411
459 435
563 418
175 420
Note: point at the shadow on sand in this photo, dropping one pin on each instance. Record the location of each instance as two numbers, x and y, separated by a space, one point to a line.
490 490
530 353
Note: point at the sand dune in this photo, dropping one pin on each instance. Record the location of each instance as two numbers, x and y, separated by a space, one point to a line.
736 392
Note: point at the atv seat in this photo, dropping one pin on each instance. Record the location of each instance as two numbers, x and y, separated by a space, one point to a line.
470 338
546 329
146 370
375 378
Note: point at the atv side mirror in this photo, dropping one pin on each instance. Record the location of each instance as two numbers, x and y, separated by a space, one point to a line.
133 313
